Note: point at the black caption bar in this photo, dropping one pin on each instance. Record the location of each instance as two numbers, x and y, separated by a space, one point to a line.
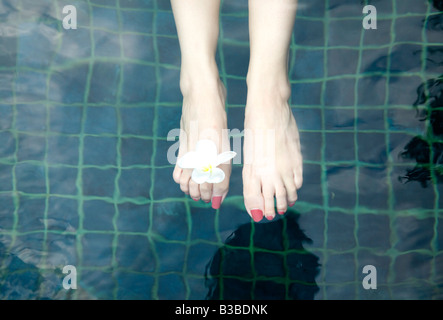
203 309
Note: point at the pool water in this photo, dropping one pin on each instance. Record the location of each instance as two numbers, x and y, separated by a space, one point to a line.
85 180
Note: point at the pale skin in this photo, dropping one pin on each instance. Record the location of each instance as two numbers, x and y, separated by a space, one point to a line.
272 169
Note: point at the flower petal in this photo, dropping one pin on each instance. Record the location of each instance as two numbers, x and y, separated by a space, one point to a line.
189 161
200 176
206 147
217 175
225 156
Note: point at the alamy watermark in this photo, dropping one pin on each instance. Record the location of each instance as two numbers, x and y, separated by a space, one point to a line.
256 142
259 145
70 20
369 281
70 281
370 21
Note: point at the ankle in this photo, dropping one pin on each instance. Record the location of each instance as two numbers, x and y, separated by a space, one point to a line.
269 84
195 76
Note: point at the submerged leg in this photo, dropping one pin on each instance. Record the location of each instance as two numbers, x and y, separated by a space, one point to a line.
203 111
275 172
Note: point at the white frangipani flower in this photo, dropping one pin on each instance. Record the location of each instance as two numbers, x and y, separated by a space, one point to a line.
204 160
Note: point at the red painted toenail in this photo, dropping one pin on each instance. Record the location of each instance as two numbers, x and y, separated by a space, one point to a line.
216 202
257 215
269 217
281 212
195 199
291 204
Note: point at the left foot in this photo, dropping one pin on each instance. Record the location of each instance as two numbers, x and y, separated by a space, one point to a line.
272 156
203 118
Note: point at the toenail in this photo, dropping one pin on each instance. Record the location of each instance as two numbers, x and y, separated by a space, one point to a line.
195 199
291 204
216 202
257 215
269 217
281 212
206 201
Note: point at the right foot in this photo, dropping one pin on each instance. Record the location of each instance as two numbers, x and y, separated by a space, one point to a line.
273 161
203 117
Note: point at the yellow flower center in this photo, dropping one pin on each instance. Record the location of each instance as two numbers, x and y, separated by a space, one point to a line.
207 168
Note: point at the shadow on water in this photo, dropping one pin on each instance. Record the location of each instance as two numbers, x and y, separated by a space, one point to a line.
22 280
427 150
264 261
18 280
438 4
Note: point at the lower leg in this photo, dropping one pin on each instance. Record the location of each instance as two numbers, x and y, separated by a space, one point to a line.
267 108
203 112
270 30
197 23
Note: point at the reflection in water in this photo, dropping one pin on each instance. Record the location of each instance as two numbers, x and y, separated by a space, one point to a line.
435 22
427 150
257 262
18 280
438 4
21 279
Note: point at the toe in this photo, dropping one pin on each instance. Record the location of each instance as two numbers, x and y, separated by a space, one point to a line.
298 178
194 190
291 191
268 196
281 199
184 181
176 174
206 192
220 190
217 201
252 195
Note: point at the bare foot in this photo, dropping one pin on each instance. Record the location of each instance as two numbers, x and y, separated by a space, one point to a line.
203 117
273 161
